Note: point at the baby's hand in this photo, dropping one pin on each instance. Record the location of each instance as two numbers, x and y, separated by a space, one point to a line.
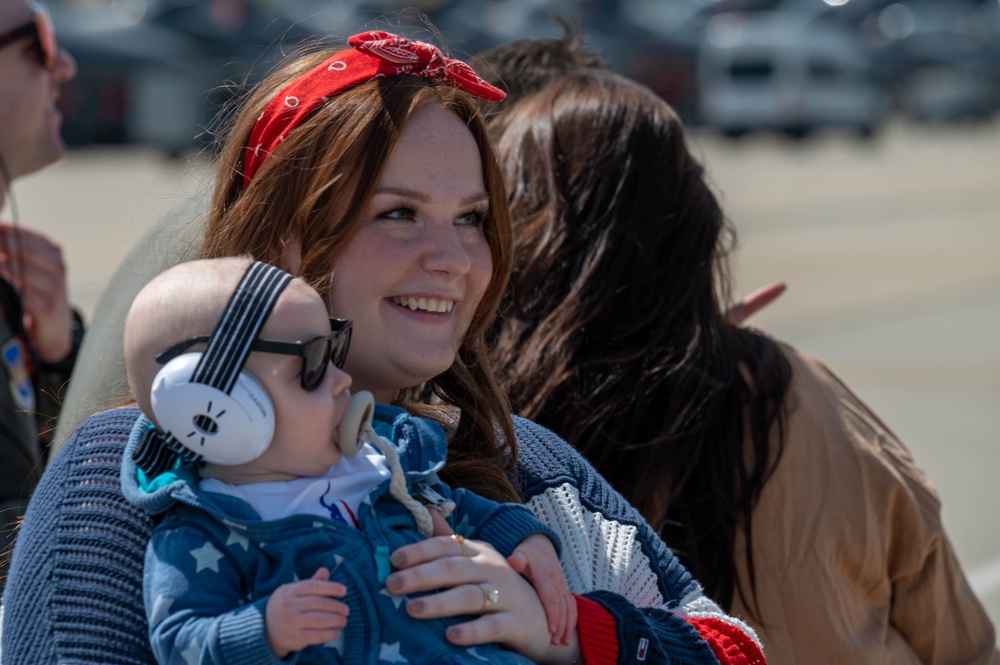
535 558
301 614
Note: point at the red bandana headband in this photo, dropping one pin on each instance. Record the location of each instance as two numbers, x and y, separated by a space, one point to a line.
373 54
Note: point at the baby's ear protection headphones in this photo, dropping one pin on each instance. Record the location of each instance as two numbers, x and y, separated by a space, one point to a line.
204 403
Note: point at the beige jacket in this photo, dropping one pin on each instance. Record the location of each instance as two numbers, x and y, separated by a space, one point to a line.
852 562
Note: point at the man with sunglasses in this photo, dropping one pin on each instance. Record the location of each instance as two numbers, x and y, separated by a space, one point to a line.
33 67
321 501
39 332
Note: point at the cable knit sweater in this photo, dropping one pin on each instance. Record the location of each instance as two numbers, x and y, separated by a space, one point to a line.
75 589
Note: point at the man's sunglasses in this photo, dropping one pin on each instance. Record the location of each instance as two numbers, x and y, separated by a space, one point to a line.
316 354
41 29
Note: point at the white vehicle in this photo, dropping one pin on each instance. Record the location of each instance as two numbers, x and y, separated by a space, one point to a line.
775 72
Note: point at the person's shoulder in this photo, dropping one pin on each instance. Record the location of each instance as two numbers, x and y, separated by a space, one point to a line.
797 355
91 459
812 382
529 427
824 411
537 440
104 433
108 423
816 393
546 460
810 372
798 358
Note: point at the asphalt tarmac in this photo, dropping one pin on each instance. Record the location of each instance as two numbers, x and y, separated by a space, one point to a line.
890 249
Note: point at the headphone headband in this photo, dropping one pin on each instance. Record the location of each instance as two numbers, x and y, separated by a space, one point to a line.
240 325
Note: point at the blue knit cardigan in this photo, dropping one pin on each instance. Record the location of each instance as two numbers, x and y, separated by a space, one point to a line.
74 595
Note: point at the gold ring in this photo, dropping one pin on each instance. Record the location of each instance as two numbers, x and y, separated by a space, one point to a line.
461 542
490 597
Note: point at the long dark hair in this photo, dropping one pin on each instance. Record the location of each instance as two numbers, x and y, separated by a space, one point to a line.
613 334
313 190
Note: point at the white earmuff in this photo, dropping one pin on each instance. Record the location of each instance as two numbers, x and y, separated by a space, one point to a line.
222 428
359 413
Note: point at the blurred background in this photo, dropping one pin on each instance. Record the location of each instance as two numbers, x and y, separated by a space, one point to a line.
151 70
855 144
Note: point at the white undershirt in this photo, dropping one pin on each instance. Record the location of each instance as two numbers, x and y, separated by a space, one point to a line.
340 489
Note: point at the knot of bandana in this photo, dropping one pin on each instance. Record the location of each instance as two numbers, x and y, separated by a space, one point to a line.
372 54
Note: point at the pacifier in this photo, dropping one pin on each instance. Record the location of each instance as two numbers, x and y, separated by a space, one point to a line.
359 413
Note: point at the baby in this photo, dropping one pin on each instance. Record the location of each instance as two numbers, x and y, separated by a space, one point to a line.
279 498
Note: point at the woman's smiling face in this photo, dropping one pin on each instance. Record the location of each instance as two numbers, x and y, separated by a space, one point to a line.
413 273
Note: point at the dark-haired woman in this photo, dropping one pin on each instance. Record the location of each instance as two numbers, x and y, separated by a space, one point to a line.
782 492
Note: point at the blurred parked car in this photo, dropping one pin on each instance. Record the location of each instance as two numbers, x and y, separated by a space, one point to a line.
946 58
777 72
936 60
158 71
941 57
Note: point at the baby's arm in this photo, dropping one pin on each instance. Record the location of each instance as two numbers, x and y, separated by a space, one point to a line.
301 614
198 608
536 559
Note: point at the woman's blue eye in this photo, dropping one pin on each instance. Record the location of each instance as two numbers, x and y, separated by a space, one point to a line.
398 213
473 218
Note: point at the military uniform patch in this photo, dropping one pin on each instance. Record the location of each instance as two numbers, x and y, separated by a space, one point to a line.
21 389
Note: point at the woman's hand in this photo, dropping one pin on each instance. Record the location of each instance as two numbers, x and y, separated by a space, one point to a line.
473 578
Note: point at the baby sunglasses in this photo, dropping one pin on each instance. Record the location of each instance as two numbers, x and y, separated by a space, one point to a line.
316 354
44 33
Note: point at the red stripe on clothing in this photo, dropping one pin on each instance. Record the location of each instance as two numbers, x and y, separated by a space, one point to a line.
350 513
730 645
598 633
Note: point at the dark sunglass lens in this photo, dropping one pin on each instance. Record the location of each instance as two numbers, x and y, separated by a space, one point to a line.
341 342
314 360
